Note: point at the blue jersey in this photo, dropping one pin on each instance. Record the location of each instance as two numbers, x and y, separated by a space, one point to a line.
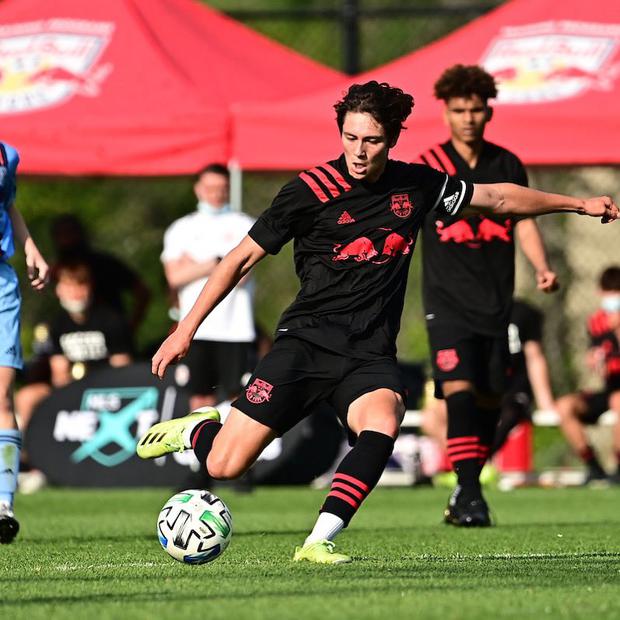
9 159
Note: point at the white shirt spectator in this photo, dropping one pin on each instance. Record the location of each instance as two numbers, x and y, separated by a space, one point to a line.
203 236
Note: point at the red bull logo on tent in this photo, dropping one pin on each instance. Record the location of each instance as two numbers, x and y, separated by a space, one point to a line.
551 61
43 64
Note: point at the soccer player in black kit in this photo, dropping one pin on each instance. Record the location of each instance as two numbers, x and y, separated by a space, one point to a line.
468 284
354 222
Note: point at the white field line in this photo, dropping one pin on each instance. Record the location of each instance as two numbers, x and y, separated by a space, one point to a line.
107 565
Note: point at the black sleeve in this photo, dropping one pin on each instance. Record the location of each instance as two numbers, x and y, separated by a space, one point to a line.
56 329
519 173
529 322
445 196
291 214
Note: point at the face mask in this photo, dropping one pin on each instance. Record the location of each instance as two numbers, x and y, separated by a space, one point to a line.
208 209
74 306
611 303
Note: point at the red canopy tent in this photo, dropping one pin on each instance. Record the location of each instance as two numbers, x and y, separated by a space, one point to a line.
133 87
557 65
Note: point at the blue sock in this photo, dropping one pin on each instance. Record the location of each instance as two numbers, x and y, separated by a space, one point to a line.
10 445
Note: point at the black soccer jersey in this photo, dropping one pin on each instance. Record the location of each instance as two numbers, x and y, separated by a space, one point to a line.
353 245
468 265
604 338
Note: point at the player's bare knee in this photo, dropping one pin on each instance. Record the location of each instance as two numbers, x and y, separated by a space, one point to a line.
224 467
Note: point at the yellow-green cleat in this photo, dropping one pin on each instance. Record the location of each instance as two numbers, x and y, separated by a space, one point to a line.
173 435
320 552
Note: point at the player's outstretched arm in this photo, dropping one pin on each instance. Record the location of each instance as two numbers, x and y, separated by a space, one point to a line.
511 199
37 268
236 264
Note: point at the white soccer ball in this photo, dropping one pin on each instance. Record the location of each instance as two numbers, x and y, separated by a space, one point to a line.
194 526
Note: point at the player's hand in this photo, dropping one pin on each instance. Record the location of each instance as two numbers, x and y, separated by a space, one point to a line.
173 349
547 281
603 207
36 267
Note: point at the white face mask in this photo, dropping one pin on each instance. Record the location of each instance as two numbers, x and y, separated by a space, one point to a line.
74 306
611 303
208 209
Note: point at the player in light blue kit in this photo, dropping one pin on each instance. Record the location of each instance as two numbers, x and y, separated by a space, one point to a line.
12 226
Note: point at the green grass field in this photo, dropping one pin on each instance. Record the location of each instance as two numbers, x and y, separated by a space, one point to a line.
94 554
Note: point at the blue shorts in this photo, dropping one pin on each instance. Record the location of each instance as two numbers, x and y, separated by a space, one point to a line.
10 304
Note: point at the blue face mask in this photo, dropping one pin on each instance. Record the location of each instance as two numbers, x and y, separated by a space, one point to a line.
208 209
611 303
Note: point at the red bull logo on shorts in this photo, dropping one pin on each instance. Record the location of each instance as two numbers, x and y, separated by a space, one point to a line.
45 63
447 359
401 205
259 391
553 60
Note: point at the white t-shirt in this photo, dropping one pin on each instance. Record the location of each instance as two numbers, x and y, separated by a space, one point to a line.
203 236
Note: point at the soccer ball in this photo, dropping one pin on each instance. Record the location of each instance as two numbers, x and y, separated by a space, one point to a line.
194 526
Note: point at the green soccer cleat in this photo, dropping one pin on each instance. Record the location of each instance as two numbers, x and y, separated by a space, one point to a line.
173 435
321 552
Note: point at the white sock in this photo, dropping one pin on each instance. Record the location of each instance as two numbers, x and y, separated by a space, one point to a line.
326 527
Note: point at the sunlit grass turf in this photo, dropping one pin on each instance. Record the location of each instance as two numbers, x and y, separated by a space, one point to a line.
94 554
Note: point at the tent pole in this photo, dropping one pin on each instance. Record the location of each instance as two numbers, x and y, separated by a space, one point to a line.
236 185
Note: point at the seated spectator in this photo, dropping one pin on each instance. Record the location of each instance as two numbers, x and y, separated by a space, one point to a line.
84 335
603 357
112 277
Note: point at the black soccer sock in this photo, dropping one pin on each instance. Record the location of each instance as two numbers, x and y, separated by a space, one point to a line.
588 456
357 474
202 439
464 450
488 420
511 414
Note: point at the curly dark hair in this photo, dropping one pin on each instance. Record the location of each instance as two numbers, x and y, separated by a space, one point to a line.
465 81
610 279
388 105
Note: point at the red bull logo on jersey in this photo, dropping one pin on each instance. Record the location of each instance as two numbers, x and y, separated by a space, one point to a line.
359 250
462 231
401 205
259 392
554 60
364 250
447 359
46 63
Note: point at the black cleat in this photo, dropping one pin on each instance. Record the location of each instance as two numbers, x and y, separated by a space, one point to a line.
9 525
466 513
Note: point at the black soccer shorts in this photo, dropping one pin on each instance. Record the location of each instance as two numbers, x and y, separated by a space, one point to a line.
597 404
297 374
458 353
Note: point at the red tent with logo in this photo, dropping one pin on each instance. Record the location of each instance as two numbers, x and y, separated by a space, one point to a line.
133 87
558 69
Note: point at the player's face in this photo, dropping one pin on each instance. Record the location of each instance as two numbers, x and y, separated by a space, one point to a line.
610 303
74 291
467 117
213 188
365 146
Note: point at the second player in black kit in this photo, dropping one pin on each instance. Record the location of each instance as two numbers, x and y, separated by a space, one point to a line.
468 284
354 222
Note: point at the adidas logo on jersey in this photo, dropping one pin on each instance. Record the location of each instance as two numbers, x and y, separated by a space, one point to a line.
345 218
450 201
